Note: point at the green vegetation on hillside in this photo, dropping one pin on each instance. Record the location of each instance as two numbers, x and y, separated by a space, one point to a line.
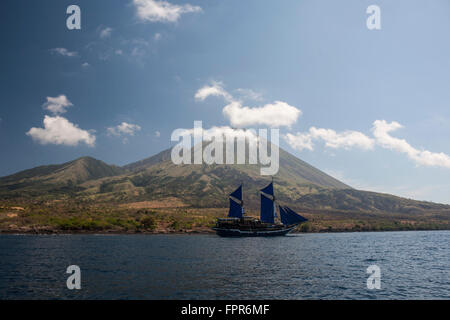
69 217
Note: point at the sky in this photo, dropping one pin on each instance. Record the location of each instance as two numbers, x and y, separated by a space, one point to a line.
369 107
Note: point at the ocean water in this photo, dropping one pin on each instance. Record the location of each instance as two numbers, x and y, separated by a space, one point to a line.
414 265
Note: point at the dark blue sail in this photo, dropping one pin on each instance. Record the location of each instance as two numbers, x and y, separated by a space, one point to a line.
237 193
235 209
267 210
284 216
289 216
296 215
268 190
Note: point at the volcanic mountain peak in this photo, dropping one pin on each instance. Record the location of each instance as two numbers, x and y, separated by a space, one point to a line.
200 185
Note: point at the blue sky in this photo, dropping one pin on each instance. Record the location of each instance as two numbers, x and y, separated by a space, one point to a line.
129 78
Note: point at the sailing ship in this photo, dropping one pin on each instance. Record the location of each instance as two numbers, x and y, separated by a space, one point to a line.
239 225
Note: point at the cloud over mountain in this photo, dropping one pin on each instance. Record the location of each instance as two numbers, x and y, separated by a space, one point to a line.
347 139
60 131
276 114
214 89
162 11
354 139
57 105
381 130
123 129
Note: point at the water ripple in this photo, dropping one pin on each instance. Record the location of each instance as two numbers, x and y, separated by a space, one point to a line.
414 265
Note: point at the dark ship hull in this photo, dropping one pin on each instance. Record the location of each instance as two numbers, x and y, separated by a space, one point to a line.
225 232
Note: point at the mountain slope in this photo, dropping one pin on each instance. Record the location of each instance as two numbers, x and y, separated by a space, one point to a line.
157 179
204 185
351 200
209 186
54 177
297 183
148 162
302 172
290 167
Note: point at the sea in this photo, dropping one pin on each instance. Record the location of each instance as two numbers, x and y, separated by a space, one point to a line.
362 265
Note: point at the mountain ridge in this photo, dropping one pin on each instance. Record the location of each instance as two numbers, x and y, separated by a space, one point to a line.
157 178
66 174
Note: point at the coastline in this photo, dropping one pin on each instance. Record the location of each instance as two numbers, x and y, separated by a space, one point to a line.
186 232
68 218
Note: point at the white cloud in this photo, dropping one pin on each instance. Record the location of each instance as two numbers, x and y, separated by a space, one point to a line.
162 11
60 131
105 32
85 65
123 129
346 140
381 130
64 52
157 36
280 113
157 134
226 132
299 141
274 114
58 104
215 89
354 139
249 94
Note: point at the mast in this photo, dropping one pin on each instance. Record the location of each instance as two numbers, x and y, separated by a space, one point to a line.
275 218
273 196
242 200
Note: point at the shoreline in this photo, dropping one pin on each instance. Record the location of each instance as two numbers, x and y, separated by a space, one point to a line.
191 232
